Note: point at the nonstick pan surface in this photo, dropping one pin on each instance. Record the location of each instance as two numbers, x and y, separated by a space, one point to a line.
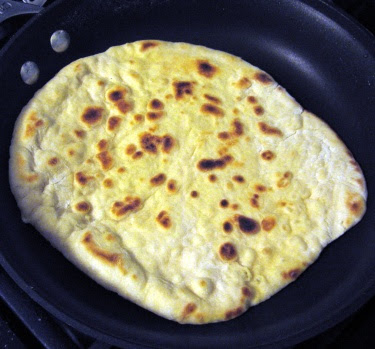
323 58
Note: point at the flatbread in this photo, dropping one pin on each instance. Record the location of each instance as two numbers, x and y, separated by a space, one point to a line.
183 178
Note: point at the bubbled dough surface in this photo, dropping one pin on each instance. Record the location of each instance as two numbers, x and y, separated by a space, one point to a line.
176 270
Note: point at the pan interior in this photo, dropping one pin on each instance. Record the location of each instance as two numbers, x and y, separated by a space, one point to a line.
326 64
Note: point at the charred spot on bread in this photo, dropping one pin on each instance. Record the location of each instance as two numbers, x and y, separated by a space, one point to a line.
206 69
228 251
248 225
92 115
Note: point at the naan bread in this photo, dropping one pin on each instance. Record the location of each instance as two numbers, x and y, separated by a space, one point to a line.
183 178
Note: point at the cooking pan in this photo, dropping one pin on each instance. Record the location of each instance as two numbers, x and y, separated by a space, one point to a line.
321 56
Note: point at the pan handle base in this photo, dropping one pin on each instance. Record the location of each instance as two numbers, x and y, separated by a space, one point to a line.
11 8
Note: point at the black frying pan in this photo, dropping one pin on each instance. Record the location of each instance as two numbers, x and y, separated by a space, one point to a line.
323 58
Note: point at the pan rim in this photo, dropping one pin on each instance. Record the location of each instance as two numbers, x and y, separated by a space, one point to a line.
350 19
347 17
369 43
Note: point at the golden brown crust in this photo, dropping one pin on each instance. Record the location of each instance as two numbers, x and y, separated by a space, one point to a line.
177 176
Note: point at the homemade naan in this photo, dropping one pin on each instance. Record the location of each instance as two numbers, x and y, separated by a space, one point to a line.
183 178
